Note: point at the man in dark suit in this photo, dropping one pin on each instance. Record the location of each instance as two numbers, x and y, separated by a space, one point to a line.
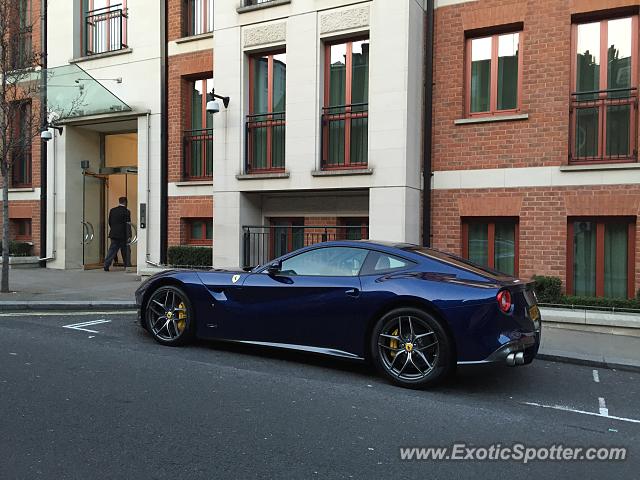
119 233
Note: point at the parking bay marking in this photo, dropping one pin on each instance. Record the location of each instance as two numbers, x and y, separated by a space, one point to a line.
568 409
79 326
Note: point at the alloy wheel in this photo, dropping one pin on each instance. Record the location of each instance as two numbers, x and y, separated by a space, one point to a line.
408 348
167 314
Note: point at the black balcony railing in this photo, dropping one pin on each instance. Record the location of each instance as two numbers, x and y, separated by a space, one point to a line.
265 142
198 154
105 30
198 17
264 243
604 126
345 136
21 167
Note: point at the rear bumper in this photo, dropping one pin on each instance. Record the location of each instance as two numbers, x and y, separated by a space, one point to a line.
508 353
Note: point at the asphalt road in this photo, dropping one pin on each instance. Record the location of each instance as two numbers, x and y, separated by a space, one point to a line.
111 403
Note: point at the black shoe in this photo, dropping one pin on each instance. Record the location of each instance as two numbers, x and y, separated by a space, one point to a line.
106 269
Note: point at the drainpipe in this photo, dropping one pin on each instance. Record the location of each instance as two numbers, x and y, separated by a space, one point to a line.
164 143
428 126
43 145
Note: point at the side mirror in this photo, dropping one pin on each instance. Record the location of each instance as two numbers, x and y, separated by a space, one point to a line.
274 268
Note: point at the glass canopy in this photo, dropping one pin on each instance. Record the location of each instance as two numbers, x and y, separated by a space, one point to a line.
73 93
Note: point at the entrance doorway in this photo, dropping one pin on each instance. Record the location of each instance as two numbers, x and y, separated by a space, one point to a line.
118 177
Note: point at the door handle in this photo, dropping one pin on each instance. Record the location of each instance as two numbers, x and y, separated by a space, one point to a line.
353 292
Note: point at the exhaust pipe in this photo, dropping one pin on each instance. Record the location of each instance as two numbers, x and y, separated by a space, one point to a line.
515 358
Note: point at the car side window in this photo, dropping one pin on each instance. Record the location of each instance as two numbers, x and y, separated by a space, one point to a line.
327 262
379 262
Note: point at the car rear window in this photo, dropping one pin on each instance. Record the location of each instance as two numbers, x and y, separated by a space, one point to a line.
459 262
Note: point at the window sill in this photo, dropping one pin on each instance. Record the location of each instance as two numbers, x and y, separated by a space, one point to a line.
122 51
491 119
194 183
338 172
194 38
631 165
21 189
262 176
260 6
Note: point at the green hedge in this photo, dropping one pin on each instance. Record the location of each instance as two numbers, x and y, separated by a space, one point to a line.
18 249
548 289
633 303
186 256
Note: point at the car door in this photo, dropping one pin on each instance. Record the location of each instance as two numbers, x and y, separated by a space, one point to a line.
312 301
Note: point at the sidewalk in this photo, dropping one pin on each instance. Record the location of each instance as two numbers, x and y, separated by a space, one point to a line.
45 289
41 288
589 348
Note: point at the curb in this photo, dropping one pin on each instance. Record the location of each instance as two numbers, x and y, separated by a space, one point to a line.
588 362
43 305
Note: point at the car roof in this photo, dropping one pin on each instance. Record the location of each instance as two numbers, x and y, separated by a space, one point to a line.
368 243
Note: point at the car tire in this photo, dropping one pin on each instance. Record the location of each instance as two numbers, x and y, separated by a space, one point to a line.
169 316
411 348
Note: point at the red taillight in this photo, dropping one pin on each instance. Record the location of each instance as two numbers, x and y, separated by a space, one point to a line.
504 300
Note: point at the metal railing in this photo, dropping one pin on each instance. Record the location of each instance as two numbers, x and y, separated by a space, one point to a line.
264 243
21 167
265 142
345 136
604 125
105 30
198 18
198 154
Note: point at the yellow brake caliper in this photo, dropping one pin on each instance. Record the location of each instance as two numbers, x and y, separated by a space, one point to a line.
393 343
182 316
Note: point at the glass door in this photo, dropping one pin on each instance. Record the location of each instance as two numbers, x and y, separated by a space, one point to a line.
92 223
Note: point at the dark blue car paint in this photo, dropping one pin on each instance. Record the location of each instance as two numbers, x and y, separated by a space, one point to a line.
335 314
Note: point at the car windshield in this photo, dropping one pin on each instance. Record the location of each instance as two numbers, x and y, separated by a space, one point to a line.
459 262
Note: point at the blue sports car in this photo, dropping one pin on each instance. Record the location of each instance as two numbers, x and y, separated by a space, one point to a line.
414 312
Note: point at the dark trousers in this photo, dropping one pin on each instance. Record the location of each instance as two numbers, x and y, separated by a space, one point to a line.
113 251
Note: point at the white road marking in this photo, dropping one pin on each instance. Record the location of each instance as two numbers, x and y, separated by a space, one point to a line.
603 407
596 376
78 326
65 314
568 409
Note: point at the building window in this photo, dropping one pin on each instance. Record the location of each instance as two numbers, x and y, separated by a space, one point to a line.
198 17
494 74
604 99
492 242
22 54
198 138
353 228
200 231
345 122
601 257
104 26
266 120
21 145
20 229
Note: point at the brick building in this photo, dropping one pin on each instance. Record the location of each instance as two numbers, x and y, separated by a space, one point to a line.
535 139
190 149
24 185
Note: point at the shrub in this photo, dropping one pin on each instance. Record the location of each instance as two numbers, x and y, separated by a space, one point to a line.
187 256
18 249
548 289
